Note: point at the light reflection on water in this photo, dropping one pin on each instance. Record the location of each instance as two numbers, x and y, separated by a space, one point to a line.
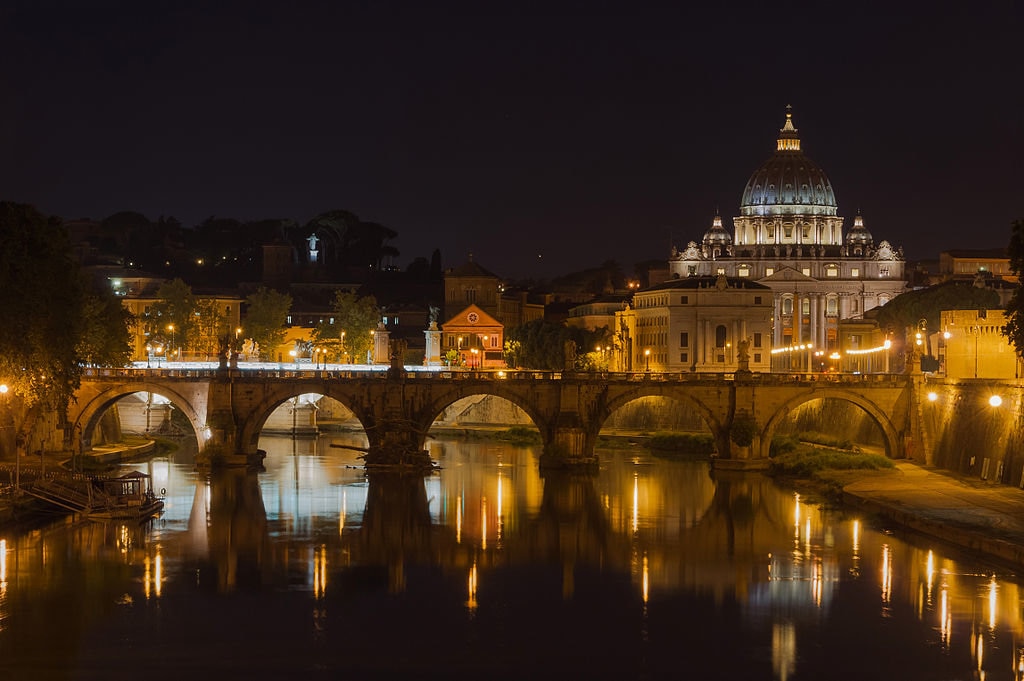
486 569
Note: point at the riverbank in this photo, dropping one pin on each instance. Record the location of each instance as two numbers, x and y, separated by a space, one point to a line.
982 519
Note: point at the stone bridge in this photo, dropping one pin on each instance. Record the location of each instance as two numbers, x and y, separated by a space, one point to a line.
228 407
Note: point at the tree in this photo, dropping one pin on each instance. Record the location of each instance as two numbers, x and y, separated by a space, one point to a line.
907 310
542 345
266 317
42 307
1014 329
173 318
106 338
351 332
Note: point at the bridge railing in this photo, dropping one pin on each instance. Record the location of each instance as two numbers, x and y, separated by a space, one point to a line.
139 374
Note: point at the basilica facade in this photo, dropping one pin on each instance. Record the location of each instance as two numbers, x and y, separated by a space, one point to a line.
789 237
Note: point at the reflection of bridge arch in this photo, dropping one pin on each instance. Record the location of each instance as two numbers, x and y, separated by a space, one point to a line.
889 433
92 408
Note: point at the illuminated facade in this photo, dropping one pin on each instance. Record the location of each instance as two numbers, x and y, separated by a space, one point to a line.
696 324
789 237
477 337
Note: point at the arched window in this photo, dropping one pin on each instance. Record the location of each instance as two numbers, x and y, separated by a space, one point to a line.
720 336
787 306
831 306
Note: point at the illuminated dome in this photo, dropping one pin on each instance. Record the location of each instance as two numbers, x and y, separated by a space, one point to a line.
788 183
859 235
717 236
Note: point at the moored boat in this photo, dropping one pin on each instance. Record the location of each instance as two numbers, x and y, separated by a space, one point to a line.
126 496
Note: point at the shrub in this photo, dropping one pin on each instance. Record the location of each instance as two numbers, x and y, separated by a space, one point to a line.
783 444
743 429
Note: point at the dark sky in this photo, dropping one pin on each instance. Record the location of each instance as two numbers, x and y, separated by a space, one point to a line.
576 132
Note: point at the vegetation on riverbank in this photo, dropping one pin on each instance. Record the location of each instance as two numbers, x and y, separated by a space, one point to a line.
683 444
822 469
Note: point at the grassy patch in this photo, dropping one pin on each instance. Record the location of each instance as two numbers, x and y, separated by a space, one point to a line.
701 444
807 461
519 435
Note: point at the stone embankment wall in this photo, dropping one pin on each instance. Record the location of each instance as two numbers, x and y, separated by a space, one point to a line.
960 430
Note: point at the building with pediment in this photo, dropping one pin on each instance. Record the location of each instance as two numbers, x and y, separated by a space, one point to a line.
477 338
789 236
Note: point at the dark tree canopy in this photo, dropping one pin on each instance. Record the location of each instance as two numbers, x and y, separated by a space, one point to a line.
266 318
53 323
541 344
1014 329
908 309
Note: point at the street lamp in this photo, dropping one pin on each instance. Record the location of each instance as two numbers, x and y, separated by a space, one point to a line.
17 454
977 337
343 351
647 359
295 357
149 355
170 328
476 357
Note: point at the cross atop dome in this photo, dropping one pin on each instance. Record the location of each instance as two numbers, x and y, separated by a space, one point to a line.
788 140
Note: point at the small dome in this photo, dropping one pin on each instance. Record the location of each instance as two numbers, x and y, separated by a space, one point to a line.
859 234
717 236
788 183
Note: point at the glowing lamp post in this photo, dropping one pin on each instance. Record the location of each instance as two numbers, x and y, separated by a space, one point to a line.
647 359
170 329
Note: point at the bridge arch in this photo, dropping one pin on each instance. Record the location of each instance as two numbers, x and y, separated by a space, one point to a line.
679 393
891 437
443 399
86 418
259 412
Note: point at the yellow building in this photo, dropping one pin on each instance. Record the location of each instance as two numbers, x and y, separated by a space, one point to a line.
155 341
972 345
968 262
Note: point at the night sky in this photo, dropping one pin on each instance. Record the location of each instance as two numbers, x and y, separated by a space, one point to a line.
576 132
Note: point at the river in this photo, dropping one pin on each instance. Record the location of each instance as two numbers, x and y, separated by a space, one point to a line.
650 569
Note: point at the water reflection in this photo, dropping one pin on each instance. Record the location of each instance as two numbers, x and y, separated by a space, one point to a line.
649 568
